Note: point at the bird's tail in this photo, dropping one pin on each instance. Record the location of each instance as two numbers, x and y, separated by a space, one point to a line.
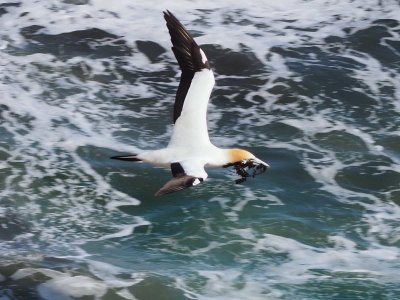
130 157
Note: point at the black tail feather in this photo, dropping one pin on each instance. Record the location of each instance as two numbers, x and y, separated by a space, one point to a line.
130 157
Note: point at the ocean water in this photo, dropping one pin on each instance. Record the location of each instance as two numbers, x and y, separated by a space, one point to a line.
310 86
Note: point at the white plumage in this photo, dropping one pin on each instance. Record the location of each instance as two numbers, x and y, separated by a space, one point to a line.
190 128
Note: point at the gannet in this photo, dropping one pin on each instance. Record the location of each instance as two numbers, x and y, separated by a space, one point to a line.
190 150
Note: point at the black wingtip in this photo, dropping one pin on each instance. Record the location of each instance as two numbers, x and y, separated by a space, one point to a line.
185 49
189 56
168 14
132 157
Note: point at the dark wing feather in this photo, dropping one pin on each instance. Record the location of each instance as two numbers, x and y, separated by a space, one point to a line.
129 157
179 181
176 184
189 58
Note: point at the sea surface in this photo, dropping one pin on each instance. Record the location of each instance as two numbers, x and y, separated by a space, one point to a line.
310 86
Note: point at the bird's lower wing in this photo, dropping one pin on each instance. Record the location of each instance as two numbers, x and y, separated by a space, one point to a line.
182 178
177 184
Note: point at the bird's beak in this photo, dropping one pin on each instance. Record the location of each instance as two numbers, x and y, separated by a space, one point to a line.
260 162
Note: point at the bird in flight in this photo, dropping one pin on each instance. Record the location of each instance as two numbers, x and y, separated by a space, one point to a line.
190 150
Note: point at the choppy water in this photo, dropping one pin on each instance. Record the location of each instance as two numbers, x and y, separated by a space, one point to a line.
312 87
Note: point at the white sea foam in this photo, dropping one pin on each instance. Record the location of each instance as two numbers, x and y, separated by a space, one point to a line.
109 273
66 287
124 230
62 285
220 285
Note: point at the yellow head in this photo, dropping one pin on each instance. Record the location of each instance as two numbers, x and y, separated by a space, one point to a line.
236 155
239 155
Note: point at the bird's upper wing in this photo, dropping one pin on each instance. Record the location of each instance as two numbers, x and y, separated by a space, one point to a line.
195 86
181 178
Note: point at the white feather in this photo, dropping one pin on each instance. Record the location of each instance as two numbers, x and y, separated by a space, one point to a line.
203 56
191 127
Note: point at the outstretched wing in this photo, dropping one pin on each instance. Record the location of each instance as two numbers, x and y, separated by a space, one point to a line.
196 83
180 180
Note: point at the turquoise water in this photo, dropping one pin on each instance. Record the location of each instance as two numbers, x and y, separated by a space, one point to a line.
311 87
